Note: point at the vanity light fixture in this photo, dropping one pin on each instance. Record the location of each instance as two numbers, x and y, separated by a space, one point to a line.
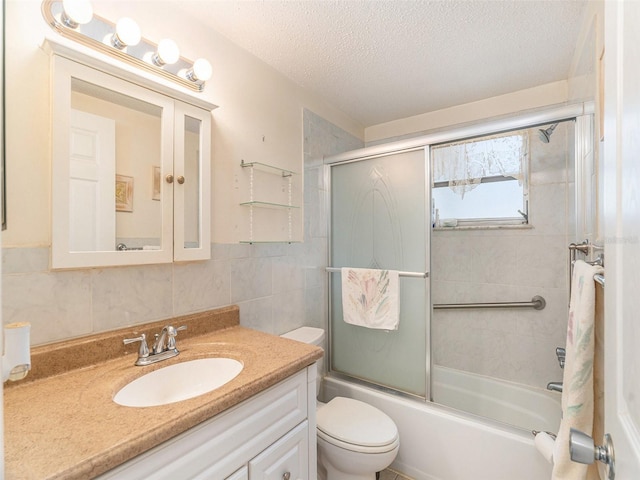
200 72
75 20
76 13
167 53
127 33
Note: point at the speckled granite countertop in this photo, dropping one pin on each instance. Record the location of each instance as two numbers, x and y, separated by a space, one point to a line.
63 422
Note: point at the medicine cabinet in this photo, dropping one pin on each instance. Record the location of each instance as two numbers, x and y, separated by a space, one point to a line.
131 172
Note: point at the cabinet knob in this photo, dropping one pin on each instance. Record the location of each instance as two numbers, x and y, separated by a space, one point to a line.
286 476
169 178
180 179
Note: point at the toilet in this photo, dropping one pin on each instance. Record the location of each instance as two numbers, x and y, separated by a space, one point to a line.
355 439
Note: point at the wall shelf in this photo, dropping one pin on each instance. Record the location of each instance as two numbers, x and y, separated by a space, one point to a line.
267 168
267 242
271 199
267 205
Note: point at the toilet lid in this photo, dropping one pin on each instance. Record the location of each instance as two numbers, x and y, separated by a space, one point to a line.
356 422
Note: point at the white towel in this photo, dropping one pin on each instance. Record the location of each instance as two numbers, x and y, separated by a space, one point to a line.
370 298
577 393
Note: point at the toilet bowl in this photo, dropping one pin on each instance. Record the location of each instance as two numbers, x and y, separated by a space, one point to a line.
355 439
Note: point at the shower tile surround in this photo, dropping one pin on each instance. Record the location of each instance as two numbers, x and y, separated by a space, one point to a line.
278 287
510 265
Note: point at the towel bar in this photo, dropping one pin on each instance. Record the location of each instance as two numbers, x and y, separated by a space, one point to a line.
537 303
402 274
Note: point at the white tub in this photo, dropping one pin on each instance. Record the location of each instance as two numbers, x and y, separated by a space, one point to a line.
438 443
520 405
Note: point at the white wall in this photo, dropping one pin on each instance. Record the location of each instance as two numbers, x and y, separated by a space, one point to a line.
503 105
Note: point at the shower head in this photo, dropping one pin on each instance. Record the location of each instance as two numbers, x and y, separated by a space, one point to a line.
545 134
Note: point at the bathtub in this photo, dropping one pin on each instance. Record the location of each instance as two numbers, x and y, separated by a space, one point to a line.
520 405
440 443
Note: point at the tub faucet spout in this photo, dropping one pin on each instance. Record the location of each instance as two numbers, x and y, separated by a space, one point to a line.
554 386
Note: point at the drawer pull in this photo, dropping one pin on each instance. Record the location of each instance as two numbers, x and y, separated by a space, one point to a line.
286 476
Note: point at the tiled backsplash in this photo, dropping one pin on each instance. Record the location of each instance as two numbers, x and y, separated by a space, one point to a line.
64 304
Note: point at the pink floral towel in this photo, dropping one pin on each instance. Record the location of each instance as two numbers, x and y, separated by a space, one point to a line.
370 298
577 393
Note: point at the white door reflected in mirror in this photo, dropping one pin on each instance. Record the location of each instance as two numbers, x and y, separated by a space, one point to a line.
92 214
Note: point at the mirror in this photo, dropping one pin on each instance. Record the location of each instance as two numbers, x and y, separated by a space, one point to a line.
192 156
115 143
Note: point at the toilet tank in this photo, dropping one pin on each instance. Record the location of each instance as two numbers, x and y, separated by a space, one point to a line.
313 336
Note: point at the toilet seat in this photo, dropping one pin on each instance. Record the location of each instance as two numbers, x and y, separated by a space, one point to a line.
356 426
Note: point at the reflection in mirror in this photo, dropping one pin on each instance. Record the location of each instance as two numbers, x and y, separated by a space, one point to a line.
191 215
115 145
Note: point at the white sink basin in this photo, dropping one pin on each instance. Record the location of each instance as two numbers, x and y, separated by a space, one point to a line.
178 382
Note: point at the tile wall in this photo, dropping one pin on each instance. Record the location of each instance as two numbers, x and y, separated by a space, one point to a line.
510 265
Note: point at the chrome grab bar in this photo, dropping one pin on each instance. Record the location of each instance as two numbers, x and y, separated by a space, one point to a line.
537 303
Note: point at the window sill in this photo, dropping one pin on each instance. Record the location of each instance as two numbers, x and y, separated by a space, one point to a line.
484 227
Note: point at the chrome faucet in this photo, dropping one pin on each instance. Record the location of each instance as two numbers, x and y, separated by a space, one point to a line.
164 346
554 386
171 332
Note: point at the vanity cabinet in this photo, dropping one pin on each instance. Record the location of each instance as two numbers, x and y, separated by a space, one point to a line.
287 458
264 438
130 171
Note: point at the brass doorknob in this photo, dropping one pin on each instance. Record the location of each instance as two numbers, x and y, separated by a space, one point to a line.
180 179
169 178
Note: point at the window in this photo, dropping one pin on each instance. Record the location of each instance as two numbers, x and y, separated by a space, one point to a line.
482 181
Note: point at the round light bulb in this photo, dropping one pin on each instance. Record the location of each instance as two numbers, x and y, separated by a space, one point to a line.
77 12
202 70
168 51
127 33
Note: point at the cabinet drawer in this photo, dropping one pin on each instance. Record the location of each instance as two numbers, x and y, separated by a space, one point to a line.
289 455
218 447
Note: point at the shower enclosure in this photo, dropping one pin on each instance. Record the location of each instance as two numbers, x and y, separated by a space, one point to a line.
490 362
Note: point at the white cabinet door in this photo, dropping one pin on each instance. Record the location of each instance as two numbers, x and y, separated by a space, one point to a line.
143 139
192 183
242 474
285 459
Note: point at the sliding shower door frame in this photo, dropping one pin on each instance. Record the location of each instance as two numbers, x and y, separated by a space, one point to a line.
427 266
527 120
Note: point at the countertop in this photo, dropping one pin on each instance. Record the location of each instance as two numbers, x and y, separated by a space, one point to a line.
64 423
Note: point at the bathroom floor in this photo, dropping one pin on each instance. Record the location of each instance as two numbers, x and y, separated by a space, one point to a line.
389 474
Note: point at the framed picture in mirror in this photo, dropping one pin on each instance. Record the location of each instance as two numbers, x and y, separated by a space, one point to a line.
155 182
124 193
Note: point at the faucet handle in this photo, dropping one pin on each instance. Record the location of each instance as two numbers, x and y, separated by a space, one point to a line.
561 353
172 333
143 351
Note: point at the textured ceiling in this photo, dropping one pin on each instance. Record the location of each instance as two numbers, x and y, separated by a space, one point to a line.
383 60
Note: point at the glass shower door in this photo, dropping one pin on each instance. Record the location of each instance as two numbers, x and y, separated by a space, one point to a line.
379 219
